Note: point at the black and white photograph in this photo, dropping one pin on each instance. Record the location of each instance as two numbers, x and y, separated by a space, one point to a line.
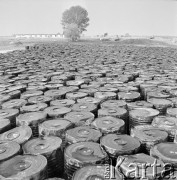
88 89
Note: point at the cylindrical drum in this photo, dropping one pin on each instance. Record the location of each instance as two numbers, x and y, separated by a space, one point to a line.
114 104
158 94
91 100
160 104
32 119
19 134
104 96
10 114
62 102
33 107
149 136
174 101
109 124
82 134
116 145
141 116
144 164
55 94
80 118
167 123
24 168
8 149
50 147
57 111
89 91
139 104
14 104
85 107
167 152
32 93
171 112
39 99
129 96
4 98
76 95
56 127
5 125
99 172
83 153
115 112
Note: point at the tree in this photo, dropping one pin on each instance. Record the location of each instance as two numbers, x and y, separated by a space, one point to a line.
76 15
72 32
105 34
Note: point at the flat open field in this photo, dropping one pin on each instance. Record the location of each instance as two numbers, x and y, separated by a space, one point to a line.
81 105
11 43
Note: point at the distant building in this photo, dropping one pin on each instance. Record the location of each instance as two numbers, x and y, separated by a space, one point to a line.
39 35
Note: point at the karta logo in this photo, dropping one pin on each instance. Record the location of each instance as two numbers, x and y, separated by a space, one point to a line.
138 170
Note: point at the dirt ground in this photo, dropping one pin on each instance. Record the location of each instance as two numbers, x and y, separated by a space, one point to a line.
10 43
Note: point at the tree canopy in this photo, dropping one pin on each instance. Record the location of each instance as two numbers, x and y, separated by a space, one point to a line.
75 15
72 32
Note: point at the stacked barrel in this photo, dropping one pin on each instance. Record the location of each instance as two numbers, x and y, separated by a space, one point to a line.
77 111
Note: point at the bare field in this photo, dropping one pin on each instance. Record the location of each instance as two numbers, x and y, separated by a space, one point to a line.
10 44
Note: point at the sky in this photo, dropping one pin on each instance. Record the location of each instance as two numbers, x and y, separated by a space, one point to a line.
115 17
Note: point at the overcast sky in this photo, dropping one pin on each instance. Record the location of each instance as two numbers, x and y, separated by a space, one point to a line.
136 17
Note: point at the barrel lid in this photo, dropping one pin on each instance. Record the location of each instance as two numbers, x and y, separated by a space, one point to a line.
112 111
120 144
69 88
42 145
20 167
160 101
85 152
79 116
108 123
55 124
143 113
19 134
57 110
76 94
41 98
167 151
82 133
13 103
62 102
33 107
8 149
75 82
30 117
31 93
139 160
149 133
172 112
101 95
89 100
165 122
5 113
128 95
158 94
113 103
84 107
139 104
96 172
4 98
54 92
108 89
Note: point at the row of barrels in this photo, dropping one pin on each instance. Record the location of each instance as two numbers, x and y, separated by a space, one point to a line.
74 111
